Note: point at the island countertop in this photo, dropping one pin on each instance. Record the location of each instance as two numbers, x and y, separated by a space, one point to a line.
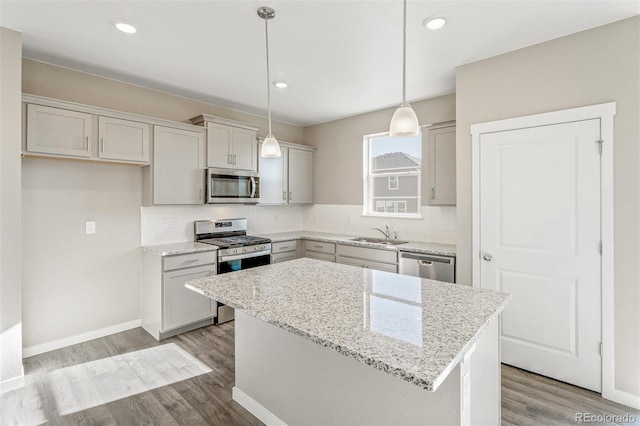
412 328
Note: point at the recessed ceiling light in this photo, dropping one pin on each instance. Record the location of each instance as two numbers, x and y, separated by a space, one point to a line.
126 28
281 84
434 23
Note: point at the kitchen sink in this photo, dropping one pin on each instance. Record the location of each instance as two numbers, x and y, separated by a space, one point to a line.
374 240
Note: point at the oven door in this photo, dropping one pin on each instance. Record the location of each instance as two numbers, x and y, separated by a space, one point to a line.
238 262
230 186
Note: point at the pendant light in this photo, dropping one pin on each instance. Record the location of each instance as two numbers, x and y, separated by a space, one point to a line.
270 146
404 121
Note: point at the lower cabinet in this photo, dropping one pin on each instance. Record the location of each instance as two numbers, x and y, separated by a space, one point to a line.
284 250
381 260
320 250
168 307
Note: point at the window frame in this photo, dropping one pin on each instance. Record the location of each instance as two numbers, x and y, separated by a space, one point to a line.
369 205
397 179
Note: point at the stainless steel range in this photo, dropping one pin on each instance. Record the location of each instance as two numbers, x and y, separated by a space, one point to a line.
236 250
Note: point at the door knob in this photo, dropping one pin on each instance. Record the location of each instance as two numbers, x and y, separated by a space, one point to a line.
487 257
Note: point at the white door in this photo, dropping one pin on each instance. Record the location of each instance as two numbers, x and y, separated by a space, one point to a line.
58 131
123 140
244 149
273 178
300 176
540 241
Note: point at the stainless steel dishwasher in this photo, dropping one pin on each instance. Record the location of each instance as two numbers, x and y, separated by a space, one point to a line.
441 268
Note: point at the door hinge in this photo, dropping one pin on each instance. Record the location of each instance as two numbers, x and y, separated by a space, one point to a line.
600 247
600 146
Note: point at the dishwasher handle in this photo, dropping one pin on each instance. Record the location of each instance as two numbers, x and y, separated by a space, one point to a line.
428 260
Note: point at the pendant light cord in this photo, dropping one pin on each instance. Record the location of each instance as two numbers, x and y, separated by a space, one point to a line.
404 53
266 32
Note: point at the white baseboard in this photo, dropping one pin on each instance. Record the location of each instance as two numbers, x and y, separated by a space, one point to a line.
79 338
624 398
12 384
252 406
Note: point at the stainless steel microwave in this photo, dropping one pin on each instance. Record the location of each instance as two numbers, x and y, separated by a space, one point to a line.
225 186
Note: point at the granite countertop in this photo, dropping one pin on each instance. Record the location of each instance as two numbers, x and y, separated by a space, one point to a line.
179 248
412 328
411 246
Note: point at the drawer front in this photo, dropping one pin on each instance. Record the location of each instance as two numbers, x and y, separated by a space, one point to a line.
188 260
378 266
283 257
284 246
319 246
375 255
320 256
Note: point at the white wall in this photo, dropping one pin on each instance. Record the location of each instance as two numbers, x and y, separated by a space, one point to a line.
172 224
74 283
10 207
438 224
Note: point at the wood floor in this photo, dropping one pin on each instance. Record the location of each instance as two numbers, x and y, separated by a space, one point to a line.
54 386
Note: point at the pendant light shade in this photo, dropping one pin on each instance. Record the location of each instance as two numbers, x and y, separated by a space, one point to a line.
270 145
404 121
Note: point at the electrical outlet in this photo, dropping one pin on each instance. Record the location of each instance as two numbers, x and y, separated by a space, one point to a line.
90 227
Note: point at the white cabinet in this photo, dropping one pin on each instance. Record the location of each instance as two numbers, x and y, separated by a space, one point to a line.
178 167
381 260
123 140
168 307
230 144
441 141
320 250
58 131
287 179
284 250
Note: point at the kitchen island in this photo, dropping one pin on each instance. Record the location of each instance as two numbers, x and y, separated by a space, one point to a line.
324 343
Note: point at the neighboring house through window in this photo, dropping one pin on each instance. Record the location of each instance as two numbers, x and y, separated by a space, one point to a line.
392 170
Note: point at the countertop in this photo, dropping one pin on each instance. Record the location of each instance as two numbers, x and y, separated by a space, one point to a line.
179 248
411 246
412 328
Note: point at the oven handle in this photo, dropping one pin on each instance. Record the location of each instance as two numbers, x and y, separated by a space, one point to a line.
253 187
222 259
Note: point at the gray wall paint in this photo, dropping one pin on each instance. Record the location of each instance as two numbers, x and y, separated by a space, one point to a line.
10 207
337 169
591 67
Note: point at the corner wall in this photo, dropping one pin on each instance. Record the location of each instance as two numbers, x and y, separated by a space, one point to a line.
595 66
10 210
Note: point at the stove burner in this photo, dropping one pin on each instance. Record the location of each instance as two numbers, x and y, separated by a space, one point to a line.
235 241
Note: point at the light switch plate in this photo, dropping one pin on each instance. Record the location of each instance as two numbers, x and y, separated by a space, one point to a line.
90 227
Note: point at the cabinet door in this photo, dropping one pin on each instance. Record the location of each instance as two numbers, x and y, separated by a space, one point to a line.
178 166
273 178
123 140
442 166
58 131
300 176
378 266
219 139
244 149
182 306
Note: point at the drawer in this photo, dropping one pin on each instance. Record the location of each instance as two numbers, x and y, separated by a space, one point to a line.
379 266
319 246
374 255
188 260
320 256
284 246
283 257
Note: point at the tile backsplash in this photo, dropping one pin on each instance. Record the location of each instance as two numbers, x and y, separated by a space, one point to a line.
174 224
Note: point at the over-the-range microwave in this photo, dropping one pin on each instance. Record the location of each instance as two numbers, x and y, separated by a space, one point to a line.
225 186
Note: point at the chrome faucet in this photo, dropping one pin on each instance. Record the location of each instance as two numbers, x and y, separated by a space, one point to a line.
385 233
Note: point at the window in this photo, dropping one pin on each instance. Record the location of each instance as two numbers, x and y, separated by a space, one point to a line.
392 169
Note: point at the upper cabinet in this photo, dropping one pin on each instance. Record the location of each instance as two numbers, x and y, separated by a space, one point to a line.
58 131
63 129
441 148
123 140
230 144
287 179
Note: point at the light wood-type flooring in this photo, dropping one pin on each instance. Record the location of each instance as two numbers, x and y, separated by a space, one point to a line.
129 379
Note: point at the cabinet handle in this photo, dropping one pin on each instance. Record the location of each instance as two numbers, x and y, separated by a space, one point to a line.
284 247
235 159
284 195
200 194
290 196
229 159
317 246
86 138
433 193
101 144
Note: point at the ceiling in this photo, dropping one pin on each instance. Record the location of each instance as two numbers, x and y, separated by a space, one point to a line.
341 58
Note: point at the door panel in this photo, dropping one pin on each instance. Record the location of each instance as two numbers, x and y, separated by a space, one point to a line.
58 131
540 222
